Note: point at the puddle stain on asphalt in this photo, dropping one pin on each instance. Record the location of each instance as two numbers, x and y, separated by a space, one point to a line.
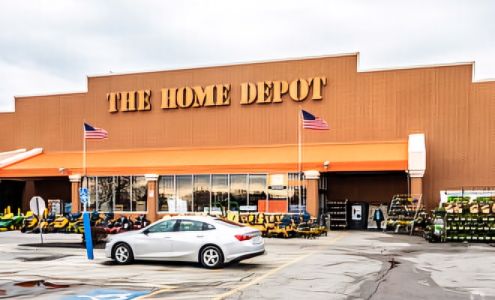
25 288
43 258
393 263
41 283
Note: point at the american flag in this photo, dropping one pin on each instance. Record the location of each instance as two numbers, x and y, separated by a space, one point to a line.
312 122
93 133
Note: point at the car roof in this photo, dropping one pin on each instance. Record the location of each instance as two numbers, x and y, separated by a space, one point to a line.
213 220
197 218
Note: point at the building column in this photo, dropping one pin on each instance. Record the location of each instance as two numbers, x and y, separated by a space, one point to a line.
312 196
416 186
75 181
416 163
29 192
152 201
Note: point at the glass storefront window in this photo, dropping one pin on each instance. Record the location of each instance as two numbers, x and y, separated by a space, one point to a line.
257 189
219 193
105 194
216 192
139 193
183 201
277 189
201 193
117 193
166 192
277 193
238 192
296 193
195 193
122 193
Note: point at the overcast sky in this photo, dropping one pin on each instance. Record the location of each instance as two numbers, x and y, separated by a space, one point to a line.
51 46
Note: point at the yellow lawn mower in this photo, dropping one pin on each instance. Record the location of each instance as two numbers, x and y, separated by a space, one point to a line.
30 222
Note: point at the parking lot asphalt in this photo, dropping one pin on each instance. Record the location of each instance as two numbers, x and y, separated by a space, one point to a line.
343 265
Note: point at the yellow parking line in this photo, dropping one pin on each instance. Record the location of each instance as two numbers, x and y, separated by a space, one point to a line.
163 290
258 279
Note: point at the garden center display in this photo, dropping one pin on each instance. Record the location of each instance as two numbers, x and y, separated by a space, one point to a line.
406 214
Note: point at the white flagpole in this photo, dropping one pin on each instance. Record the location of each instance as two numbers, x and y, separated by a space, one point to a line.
84 150
299 157
84 158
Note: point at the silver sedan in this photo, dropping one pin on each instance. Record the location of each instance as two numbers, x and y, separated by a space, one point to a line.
210 241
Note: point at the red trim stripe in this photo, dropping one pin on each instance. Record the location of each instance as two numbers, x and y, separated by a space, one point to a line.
97 134
317 124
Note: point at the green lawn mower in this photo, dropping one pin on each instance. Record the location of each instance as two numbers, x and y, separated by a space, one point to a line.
10 222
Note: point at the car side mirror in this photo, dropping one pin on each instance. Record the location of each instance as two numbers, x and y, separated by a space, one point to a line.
146 231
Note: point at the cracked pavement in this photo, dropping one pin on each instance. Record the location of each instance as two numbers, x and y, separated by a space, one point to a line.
344 265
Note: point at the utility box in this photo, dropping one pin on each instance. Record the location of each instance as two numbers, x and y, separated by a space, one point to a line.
358 216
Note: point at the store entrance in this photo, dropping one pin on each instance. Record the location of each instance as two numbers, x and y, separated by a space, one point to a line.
17 193
352 197
11 194
373 188
55 191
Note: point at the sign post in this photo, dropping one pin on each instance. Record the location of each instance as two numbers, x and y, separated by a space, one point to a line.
38 206
84 196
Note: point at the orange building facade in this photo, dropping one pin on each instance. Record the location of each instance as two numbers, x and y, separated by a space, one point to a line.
226 137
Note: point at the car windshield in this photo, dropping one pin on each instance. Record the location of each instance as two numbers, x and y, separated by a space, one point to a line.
229 223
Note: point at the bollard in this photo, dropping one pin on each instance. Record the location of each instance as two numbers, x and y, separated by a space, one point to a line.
87 235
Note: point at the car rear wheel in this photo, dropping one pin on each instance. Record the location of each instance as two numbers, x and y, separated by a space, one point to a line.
211 257
122 254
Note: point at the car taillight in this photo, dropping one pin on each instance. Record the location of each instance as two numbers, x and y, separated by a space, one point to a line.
243 237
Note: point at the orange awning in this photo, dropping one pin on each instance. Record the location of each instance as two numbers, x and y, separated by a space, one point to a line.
385 156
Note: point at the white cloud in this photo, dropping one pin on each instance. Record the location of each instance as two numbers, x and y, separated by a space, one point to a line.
50 46
25 81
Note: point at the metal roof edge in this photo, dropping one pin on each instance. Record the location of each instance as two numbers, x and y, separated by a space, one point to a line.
228 64
50 94
426 66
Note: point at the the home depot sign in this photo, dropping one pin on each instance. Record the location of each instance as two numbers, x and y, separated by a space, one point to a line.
262 92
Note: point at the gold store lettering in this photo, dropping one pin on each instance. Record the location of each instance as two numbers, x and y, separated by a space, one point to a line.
185 97
127 101
262 92
273 91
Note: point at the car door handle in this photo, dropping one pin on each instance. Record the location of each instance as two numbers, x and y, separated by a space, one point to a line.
200 236
166 237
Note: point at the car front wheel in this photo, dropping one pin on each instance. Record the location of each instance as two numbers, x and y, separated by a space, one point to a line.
122 254
211 257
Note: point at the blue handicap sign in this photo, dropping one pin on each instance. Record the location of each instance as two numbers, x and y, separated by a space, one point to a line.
84 195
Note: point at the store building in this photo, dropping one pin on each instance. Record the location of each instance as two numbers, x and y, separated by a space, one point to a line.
225 137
